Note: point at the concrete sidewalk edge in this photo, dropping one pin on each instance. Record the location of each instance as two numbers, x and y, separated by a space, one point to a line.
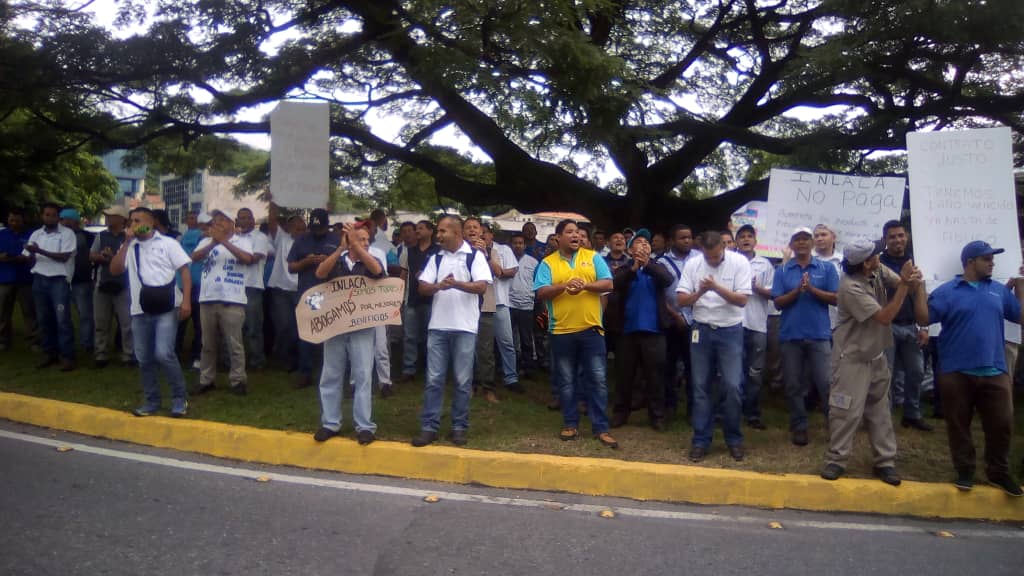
589 476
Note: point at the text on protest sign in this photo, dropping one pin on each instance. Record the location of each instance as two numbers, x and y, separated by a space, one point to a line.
852 206
961 189
299 154
347 304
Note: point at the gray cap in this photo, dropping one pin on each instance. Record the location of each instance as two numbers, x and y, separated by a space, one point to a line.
860 250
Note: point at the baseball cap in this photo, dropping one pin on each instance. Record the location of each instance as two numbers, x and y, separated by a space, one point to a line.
216 212
70 214
976 249
204 218
318 218
746 228
800 230
858 251
641 233
116 211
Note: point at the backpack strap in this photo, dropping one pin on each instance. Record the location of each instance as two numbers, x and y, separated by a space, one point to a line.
670 263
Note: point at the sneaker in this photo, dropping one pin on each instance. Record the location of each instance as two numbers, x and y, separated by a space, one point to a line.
239 389
1008 485
832 472
324 434
516 388
179 408
365 437
888 475
917 424
736 451
799 438
756 424
607 439
203 389
387 391
143 411
458 437
423 438
964 481
697 454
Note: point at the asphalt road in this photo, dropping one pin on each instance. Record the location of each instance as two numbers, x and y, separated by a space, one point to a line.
112 508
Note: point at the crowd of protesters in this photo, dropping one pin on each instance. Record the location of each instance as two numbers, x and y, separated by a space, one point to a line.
699 321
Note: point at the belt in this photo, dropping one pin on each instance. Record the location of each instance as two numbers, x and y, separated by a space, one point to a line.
713 327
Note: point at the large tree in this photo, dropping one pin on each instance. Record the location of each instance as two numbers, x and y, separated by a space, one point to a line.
627 110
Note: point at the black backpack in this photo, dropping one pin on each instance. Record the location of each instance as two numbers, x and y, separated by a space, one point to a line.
469 266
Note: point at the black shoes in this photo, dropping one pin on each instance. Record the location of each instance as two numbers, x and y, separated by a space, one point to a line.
736 451
239 389
964 481
424 438
203 389
387 391
143 411
1008 485
324 434
917 424
365 437
458 437
756 424
888 475
697 454
799 438
832 472
516 388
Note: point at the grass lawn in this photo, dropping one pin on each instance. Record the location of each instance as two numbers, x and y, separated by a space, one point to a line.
517 424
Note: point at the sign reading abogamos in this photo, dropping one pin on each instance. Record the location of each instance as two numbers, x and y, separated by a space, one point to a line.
347 304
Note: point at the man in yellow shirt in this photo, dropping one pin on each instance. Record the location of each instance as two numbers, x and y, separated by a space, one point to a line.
570 282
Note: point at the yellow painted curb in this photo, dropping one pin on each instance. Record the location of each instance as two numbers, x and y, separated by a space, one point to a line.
592 476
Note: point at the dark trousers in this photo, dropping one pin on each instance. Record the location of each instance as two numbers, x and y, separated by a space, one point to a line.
644 351
522 328
992 396
286 335
677 347
197 330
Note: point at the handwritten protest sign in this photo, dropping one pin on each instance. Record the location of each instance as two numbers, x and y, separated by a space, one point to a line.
755 213
299 150
961 189
347 304
852 206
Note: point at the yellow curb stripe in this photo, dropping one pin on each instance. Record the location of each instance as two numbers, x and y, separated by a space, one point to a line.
590 476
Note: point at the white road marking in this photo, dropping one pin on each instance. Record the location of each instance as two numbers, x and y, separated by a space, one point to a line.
1008 532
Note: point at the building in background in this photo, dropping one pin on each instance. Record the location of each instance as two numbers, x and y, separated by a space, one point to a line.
131 180
203 192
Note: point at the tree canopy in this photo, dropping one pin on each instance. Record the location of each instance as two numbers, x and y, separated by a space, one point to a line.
632 111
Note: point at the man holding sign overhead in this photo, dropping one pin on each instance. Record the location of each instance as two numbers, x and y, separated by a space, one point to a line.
973 374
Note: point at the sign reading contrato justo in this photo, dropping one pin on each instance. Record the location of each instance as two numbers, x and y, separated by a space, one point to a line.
347 304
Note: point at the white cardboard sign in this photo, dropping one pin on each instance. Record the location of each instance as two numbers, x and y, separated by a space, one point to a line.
299 154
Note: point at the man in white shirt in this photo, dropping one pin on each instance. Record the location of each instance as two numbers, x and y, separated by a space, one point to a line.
521 304
222 300
284 286
151 260
456 286
52 250
717 285
755 324
253 327
504 266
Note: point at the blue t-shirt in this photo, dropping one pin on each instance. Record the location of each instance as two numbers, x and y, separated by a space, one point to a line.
189 241
13 244
972 324
642 305
309 244
807 317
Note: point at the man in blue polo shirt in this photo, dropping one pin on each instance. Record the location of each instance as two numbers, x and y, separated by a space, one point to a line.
803 289
971 309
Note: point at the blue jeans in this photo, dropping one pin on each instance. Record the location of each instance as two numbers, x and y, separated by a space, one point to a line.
506 344
717 351
414 334
444 347
581 356
81 294
52 295
355 348
906 353
755 344
154 337
816 355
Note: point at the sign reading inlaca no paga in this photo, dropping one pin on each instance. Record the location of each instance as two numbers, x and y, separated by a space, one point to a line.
347 304
299 154
961 189
852 206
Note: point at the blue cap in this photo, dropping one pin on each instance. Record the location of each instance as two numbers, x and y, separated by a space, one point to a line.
976 249
641 233
69 214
